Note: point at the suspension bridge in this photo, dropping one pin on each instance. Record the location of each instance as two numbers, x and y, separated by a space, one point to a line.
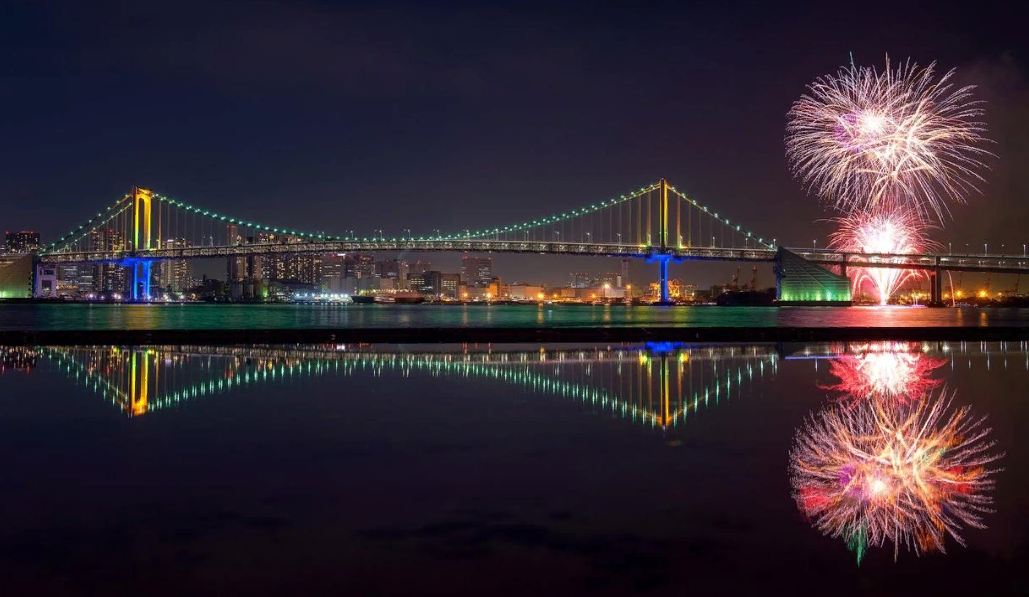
656 222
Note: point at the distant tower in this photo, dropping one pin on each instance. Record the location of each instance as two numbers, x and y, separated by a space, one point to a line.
625 273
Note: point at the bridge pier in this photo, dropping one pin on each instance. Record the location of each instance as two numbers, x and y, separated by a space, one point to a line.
663 277
662 260
139 275
936 287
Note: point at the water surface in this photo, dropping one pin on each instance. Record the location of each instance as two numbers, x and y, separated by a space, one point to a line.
610 470
230 317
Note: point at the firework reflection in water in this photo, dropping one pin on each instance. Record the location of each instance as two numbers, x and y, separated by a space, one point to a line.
894 371
880 471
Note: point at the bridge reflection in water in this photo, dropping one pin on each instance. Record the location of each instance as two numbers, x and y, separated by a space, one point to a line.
656 384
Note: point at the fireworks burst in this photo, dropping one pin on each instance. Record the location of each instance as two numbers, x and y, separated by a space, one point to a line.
878 473
864 138
885 371
897 232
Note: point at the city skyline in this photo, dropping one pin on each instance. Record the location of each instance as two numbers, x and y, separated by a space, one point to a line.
529 126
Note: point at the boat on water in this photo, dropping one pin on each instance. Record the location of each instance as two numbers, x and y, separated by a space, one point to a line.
408 298
363 299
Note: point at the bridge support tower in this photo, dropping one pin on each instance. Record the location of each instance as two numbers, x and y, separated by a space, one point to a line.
663 254
936 287
139 279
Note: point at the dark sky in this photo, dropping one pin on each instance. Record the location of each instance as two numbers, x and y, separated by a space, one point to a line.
335 116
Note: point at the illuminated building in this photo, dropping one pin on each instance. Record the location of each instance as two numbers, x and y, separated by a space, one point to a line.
16 277
803 282
174 275
450 285
358 265
476 271
21 242
418 267
612 279
332 272
525 292
108 277
578 280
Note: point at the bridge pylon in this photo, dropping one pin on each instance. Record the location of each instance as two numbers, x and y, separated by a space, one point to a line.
663 254
141 199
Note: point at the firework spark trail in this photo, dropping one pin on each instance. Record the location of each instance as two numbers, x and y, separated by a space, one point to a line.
863 138
883 472
891 230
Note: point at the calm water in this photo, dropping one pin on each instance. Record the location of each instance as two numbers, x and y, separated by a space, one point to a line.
120 317
601 470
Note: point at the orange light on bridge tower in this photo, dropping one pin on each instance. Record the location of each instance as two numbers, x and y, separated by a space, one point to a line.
138 399
141 199
664 215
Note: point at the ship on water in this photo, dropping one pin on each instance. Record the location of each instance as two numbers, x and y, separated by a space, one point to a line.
408 298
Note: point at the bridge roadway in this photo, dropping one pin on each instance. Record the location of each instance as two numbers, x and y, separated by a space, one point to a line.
1015 264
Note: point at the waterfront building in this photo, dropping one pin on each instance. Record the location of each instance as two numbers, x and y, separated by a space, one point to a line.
476 271
578 280
450 286
525 292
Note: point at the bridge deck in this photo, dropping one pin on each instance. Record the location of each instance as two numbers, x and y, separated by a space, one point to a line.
952 262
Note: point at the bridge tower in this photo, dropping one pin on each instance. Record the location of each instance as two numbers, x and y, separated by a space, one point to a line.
936 286
139 269
141 199
662 255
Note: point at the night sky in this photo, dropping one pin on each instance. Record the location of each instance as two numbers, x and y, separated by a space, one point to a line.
335 116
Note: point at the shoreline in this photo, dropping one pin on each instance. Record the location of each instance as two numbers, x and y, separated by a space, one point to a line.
484 335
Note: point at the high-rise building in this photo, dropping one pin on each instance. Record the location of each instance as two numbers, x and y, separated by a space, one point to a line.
418 267
578 280
450 285
476 271
108 277
332 272
68 282
416 281
21 242
359 265
236 268
286 267
174 274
